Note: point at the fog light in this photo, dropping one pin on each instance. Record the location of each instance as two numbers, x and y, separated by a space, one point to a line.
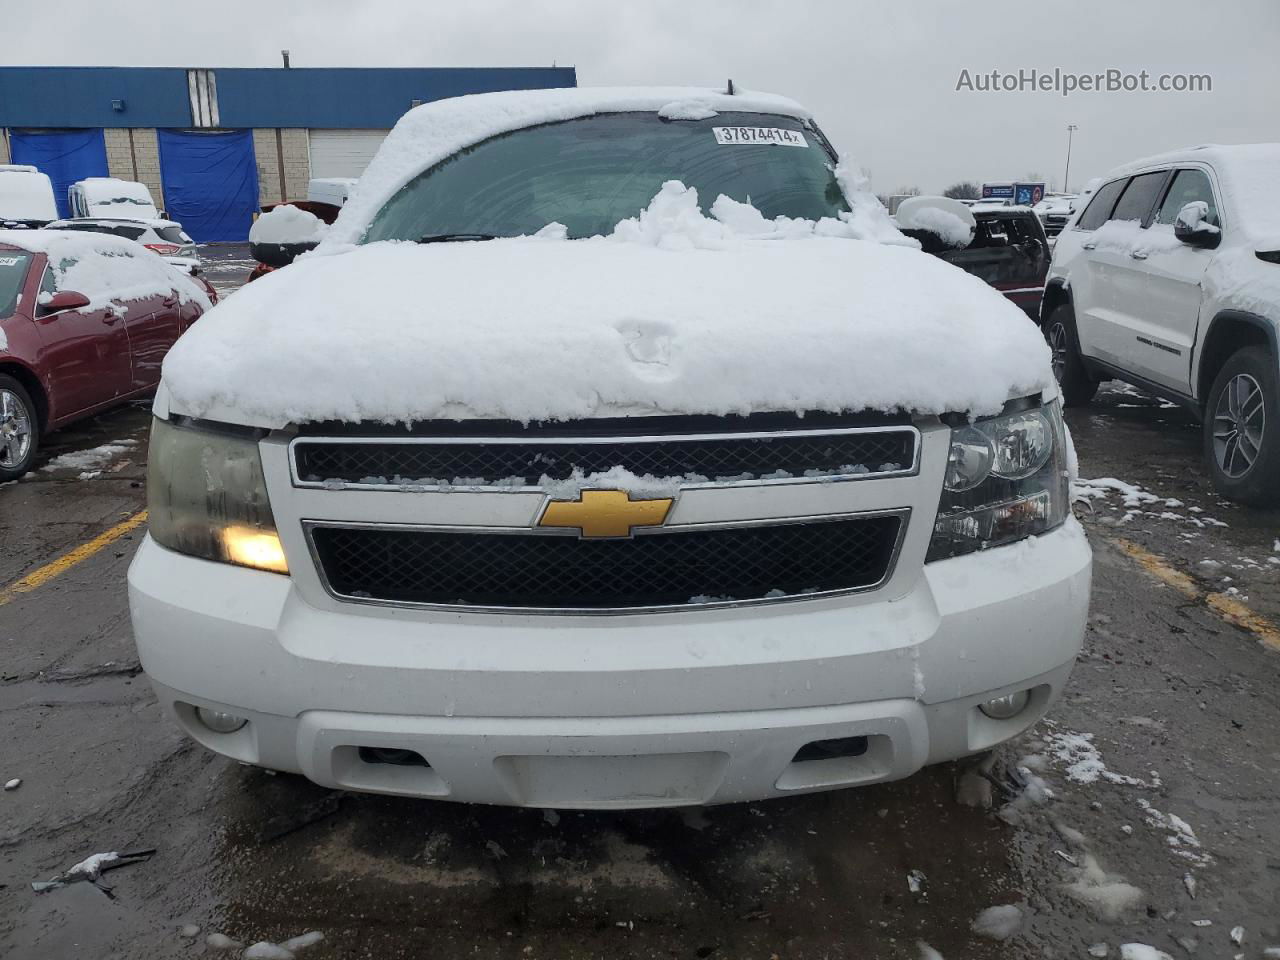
220 722
1006 707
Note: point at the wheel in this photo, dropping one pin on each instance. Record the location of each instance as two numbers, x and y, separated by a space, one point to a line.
19 429
1242 428
1074 381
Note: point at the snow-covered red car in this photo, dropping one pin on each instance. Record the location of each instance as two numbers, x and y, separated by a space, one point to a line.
85 323
612 449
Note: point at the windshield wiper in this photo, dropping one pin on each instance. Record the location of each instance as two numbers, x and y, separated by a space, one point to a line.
454 237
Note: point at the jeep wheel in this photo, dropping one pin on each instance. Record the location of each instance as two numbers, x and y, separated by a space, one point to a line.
1242 428
19 430
1075 383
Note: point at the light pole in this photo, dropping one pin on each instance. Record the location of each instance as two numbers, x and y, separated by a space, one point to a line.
1071 128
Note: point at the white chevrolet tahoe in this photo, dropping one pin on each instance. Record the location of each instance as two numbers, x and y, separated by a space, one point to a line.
613 449
1170 280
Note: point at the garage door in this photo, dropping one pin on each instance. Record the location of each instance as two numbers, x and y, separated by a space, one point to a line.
343 153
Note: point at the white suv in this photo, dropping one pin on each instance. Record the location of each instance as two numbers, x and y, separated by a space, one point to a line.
542 481
1170 280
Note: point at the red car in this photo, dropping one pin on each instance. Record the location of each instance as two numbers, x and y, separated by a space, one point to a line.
85 322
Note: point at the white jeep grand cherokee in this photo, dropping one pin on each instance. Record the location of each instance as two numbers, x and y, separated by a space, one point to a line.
1170 279
539 484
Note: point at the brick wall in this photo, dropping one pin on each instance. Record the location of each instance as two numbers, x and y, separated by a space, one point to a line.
297 164
141 162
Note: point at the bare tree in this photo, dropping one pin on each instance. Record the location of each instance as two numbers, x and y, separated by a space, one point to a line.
907 192
963 190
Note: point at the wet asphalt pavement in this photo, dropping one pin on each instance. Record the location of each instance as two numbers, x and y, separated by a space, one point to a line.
1178 686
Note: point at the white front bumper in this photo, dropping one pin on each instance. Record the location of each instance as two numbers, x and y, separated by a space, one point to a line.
628 711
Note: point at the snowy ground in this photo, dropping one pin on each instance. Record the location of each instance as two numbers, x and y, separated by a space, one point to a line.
1142 813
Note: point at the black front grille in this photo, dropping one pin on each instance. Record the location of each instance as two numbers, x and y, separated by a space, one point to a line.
565 573
745 458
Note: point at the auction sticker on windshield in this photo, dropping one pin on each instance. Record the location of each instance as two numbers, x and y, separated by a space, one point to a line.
775 135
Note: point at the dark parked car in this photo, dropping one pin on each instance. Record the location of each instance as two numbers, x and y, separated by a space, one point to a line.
85 322
1007 248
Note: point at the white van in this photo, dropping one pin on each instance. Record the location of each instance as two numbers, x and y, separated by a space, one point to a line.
112 198
26 197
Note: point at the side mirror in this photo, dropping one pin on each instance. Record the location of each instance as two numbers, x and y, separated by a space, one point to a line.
1193 228
64 300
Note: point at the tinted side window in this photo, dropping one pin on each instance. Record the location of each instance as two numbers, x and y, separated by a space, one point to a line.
1187 187
1095 215
1139 197
172 235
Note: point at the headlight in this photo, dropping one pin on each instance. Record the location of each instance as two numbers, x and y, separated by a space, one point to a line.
207 497
1006 480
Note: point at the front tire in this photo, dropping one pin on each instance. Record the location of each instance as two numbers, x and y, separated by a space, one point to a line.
19 429
1077 387
1242 428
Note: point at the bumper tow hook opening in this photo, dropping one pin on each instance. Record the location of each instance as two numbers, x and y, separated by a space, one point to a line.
830 749
393 756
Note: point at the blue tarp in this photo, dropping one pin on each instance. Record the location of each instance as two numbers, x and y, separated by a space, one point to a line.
65 155
210 182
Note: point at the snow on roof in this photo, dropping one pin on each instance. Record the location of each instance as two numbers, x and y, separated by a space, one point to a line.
674 313
154 223
109 188
428 134
26 194
105 268
1248 173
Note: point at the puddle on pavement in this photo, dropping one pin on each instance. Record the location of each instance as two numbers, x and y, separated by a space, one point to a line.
394 877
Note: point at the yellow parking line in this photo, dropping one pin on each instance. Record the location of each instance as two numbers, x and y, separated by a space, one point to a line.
56 568
1228 607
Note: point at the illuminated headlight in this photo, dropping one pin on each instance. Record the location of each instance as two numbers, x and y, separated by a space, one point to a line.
1006 480
207 496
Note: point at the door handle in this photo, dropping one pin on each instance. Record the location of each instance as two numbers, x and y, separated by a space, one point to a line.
1137 254
1089 246
170 301
110 319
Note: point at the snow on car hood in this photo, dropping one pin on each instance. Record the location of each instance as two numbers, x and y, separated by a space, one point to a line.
675 313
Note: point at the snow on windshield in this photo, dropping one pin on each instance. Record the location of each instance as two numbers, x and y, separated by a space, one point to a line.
676 312
434 131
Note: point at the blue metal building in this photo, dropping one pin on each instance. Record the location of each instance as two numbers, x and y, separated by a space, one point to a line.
213 145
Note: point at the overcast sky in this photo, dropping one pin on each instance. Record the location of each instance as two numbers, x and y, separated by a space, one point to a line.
880 75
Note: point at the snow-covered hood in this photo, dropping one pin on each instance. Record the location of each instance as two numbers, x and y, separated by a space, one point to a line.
675 313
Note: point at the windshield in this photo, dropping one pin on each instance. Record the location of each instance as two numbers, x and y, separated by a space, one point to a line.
13 271
590 173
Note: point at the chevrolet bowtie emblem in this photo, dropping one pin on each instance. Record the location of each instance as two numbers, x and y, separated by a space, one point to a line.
605 513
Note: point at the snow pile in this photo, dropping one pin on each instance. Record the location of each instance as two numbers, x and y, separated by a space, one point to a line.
286 223
1141 951
695 108
108 270
428 134
1182 840
1108 895
949 220
1084 762
87 460
1134 495
998 923
675 313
